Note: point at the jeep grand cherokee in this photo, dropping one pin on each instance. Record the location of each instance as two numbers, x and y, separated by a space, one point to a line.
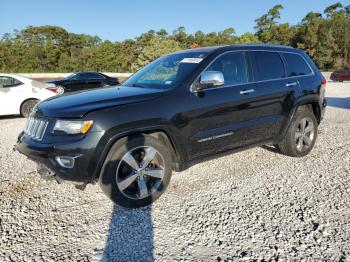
181 109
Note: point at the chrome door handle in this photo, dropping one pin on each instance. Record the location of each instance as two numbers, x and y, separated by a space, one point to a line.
247 91
291 84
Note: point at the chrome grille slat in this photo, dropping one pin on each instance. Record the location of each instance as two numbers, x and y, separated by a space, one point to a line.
29 125
32 127
39 129
35 128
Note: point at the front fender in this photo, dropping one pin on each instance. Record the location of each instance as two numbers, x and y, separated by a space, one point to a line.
108 140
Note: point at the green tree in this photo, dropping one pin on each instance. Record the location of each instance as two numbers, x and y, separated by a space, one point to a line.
248 38
325 37
266 22
154 50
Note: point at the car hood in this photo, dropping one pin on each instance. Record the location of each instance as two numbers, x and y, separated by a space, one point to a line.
77 104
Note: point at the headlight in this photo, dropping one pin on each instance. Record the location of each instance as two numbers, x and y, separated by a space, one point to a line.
73 126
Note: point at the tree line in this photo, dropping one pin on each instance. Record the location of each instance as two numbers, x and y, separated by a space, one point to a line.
325 37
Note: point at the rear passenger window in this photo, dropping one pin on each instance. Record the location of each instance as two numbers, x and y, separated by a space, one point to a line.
233 66
9 82
296 65
269 65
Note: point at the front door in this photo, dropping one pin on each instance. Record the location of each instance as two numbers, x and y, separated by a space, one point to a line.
218 114
244 111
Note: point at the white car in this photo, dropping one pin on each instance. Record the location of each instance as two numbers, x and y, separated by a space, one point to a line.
18 94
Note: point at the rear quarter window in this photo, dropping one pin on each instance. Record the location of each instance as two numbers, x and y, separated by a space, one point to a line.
296 65
94 76
269 65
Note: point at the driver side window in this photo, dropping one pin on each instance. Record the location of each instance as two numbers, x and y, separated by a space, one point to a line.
233 66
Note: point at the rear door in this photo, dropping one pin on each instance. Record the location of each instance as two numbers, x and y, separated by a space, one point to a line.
12 94
95 80
77 83
347 75
298 70
274 94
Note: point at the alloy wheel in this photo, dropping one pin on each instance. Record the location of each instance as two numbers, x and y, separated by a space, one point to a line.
305 134
140 172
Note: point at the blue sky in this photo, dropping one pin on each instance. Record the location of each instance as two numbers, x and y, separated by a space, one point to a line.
119 20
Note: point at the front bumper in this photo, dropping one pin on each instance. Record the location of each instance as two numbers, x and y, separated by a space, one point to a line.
45 155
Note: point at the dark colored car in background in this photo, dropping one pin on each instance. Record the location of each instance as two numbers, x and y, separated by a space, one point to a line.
340 75
82 81
181 109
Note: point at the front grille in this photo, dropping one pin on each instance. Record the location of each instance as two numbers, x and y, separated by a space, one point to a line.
35 128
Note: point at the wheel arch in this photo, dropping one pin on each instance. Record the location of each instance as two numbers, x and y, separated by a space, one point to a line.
161 133
27 99
311 103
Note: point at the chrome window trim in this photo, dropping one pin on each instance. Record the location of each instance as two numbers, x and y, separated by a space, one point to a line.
252 82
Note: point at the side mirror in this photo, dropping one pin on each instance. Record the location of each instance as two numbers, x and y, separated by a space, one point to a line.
212 78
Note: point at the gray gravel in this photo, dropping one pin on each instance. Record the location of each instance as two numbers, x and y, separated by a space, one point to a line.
253 205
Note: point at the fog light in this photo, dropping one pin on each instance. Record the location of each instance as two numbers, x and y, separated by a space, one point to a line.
65 161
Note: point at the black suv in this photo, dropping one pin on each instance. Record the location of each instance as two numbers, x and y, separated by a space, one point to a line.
179 110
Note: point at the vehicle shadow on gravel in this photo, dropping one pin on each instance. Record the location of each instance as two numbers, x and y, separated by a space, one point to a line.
130 235
10 117
339 102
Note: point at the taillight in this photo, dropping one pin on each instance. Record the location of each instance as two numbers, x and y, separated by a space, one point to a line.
52 89
324 82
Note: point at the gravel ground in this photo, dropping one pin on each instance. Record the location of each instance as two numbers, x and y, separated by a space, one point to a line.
253 205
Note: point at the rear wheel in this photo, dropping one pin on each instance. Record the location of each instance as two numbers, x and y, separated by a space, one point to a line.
59 90
301 135
27 107
136 171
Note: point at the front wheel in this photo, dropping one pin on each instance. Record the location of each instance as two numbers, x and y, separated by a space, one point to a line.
136 171
301 135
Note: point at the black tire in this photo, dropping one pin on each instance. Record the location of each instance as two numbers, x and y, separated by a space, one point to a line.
289 144
27 107
108 177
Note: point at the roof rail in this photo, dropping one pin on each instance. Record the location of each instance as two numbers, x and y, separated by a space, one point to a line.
264 45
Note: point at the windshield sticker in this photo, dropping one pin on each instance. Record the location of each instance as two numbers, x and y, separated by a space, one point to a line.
192 60
168 82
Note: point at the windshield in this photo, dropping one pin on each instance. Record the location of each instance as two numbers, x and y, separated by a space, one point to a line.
167 70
